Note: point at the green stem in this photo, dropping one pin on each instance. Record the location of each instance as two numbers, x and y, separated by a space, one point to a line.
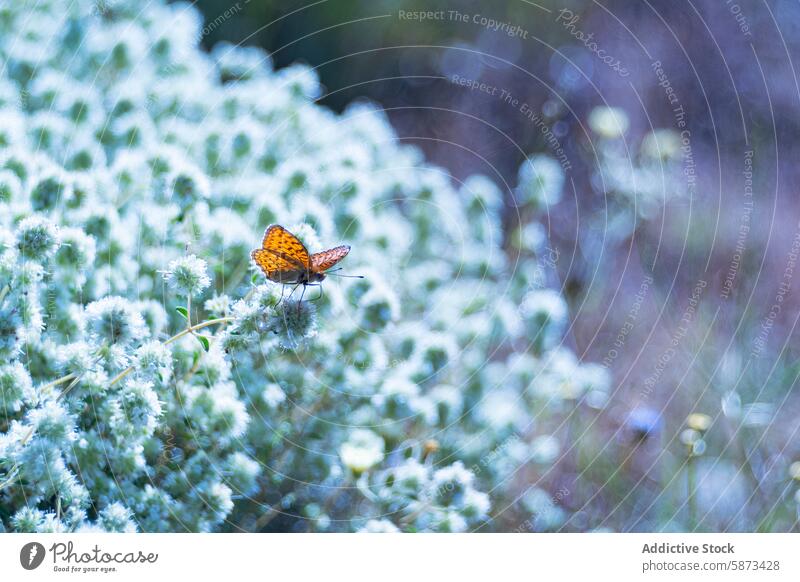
177 336
196 365
750 472
69 387
194 328
269 515
691 478
363 487
11 476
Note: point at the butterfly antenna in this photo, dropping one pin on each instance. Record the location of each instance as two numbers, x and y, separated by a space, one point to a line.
347 276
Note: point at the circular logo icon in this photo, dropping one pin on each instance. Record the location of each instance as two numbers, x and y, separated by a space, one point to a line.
31 555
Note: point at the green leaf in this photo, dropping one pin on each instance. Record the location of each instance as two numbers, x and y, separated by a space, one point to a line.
204 340
183 312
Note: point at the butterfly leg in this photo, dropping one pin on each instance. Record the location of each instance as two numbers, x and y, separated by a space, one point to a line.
302 294
293 290
321 293
283 290
289 297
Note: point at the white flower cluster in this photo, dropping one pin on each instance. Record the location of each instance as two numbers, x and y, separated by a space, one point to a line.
640 179
150 380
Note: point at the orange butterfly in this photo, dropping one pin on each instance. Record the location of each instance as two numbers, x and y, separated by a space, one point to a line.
284 259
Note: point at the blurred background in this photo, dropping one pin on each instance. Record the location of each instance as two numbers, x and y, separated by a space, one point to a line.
677 230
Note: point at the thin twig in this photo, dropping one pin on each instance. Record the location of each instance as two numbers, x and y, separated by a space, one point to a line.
174 338
58 381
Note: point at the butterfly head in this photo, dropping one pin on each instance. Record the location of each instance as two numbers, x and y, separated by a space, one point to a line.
315 277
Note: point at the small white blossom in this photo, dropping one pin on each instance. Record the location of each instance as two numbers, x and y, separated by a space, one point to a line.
37 238
362 451
188 275
609 122
541 181
115 321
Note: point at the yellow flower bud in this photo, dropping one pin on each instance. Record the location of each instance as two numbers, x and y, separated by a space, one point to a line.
698 421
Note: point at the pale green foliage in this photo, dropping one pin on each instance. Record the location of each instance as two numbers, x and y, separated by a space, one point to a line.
136 174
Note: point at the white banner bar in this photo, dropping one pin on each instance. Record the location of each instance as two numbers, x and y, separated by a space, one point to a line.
351 557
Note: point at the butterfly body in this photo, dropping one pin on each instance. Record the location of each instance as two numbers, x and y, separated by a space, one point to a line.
284 259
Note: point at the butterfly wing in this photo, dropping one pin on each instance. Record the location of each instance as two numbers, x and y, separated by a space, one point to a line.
276 269
323 261
282 257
